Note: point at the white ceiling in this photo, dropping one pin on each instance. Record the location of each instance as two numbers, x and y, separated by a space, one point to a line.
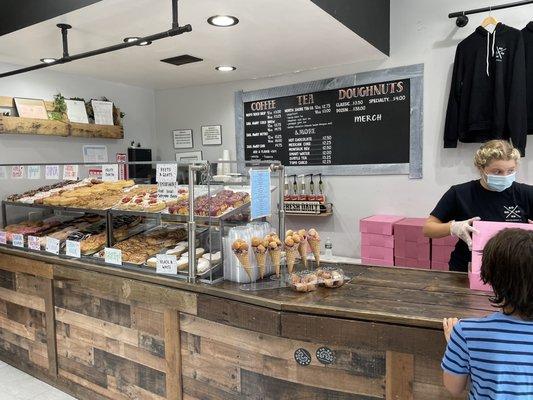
273 37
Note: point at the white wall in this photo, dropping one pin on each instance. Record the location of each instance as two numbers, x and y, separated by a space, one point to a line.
420 33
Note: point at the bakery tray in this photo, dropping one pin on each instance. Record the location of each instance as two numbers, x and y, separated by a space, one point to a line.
57 208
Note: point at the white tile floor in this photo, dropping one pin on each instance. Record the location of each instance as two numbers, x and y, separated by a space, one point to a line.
17 385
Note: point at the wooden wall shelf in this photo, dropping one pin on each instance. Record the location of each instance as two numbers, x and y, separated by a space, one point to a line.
96 131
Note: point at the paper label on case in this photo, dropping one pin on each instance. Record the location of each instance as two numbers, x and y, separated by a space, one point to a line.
34 243
167 172
70 172
167 190
17 240
17 172
3 172
166 264
110 173
34 172
52 245
3 237
51 172
113 256
73 248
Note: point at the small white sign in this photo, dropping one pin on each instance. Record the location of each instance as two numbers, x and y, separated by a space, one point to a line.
76 111
51 172
3 172
34 172
113 256
52 245
103 112
167 173
3 237
34 243
182 138
17 240
70 172
73 248
167 190
110 173
166 264
212 135
17 172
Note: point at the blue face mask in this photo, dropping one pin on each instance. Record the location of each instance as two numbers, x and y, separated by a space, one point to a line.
499 183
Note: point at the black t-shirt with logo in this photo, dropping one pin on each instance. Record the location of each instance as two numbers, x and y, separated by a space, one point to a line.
470 199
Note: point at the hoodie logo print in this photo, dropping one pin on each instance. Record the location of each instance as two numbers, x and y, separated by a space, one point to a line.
500 52
512 212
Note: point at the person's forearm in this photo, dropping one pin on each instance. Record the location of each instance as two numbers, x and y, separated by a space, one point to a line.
437 230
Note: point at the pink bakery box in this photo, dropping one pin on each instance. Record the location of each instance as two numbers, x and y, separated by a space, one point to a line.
488 229
379 224
476 283
377 253
449 241
418 251
475 265
373 239
410 230
411 263
381 263
441 253
440 265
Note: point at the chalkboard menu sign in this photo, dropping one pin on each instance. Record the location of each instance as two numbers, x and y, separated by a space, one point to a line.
367 123
362 124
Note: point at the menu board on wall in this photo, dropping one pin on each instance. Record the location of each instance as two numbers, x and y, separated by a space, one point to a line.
365 124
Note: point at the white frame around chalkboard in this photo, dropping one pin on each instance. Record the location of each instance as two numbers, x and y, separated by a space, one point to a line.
415 73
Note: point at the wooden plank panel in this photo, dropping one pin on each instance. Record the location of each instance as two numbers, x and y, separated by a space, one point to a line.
17 328
29 284
132 391
103 328
86 372
6 101
7 279
197 390
355 334
21 299
238 314
424 391
152 344
146 320
78 351
428 370
32 126
400 376
173 355
257 386
50 327
211 371
93 387
25 265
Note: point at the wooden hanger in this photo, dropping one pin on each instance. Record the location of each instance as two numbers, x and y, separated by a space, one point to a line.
490 20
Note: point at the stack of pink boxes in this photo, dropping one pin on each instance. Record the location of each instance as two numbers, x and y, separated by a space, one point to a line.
441 250
411 247
377 240
486 231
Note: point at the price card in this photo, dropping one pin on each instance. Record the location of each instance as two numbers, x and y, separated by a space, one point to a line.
51 172
70 172
3 237
52 245
110 173
167 172
113 256
73 248
17 240
166 264
260 187
34 243
3 172
167 190
17 172
34 172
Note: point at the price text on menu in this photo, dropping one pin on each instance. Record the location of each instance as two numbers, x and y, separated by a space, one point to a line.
365 124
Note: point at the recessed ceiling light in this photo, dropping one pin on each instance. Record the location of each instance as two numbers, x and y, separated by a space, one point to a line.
223 20
48 60
134 38
225 68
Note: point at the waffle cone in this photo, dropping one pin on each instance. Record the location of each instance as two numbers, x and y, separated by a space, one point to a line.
245 262
302 249
261 258
290 255
275 255
315 248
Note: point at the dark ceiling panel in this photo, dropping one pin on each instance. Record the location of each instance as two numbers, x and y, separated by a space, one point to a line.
18 14
370 19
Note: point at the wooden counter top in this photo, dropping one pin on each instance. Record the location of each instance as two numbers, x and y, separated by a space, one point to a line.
381 294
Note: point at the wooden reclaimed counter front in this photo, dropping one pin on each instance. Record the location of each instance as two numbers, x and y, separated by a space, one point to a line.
99 332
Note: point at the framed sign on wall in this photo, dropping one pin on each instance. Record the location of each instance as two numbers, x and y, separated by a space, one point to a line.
183 138
212 135
189 156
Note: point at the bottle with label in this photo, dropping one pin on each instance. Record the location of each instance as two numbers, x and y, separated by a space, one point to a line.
329 248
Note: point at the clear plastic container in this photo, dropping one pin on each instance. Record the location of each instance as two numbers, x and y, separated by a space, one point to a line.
330 277
303 281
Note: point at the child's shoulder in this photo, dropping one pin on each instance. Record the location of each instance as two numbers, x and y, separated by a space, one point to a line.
497 321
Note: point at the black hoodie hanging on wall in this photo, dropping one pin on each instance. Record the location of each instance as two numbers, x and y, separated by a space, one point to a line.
527 33
488 92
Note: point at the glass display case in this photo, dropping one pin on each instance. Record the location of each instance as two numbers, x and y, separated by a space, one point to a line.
178 222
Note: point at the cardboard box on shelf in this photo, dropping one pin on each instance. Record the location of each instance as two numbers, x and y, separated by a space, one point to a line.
374 239
379 224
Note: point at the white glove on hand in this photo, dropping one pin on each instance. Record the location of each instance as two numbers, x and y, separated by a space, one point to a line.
463 230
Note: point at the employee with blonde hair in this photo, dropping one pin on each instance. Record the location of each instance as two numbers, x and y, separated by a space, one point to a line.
494 197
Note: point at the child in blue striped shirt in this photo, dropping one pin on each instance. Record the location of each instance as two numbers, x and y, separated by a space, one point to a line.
496 352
